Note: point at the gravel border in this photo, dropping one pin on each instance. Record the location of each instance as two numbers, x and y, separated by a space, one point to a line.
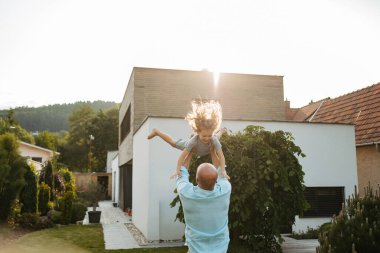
142 241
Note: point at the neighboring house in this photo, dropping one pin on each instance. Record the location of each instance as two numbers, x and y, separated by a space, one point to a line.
161 98
361 108
35 155
83 179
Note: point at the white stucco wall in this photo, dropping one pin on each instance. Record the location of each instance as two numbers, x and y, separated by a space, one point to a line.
115 179
330 161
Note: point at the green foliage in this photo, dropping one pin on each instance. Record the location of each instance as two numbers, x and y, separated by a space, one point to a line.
356 228
104 127
8 125
34 221
43 198
310 233
78 211
267 185
47 140
12 169
55 216
67 206
47 177
52 118
29 193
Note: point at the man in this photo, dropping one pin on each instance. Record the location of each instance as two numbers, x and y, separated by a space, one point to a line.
205 208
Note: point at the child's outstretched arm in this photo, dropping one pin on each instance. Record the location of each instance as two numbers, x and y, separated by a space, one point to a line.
181 159
222 163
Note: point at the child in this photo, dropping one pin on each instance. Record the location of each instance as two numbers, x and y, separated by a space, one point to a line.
204 119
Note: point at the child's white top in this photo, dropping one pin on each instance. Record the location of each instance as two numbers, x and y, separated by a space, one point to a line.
200 148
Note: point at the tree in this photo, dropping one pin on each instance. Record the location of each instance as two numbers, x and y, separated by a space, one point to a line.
104 128
267 186
75 152
29 193
47 140
12 169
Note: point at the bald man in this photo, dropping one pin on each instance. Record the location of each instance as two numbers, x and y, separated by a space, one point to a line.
205 208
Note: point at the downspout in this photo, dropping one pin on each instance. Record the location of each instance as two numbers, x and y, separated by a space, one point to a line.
316 111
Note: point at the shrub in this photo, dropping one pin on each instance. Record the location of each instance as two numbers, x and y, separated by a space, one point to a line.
55 216
12 169
356 228
28 195
267 186
34 221
67 202
78 212
43 198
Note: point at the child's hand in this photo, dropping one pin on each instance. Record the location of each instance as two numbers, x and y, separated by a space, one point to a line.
175 174
224 174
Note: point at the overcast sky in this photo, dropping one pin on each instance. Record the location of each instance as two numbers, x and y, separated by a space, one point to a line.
65 51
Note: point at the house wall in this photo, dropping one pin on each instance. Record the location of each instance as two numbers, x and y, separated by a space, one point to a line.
368 158
27 151
115 180
243 96
330 161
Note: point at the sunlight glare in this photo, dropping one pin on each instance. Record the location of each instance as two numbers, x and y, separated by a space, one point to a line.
216 78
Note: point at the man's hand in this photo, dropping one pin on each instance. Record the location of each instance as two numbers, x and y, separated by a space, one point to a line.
175 174
224 174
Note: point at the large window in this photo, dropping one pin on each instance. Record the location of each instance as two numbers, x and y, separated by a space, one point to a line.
324 201
125 127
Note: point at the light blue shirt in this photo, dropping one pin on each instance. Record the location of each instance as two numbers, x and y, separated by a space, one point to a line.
206 214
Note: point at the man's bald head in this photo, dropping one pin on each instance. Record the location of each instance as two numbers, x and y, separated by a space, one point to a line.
206 176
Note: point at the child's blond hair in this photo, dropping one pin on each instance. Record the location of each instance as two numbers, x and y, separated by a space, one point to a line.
205 115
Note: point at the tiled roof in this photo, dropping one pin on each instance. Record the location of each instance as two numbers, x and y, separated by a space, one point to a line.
361 107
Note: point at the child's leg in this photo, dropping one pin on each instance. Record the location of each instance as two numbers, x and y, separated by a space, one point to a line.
214 158
164 136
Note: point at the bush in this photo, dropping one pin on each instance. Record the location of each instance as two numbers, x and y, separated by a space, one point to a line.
28 195
43 198
55 216
310 233
12 169
34 221
67 208
356 228
78 212
267 186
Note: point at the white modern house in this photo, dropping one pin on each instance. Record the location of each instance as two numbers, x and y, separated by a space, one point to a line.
329 166
160 98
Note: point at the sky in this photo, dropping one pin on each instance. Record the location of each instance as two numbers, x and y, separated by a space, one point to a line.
63 51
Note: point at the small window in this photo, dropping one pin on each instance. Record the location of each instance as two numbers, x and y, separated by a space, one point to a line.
324 201
125 127
37 159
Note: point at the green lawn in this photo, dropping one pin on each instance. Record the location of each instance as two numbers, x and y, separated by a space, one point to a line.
78 239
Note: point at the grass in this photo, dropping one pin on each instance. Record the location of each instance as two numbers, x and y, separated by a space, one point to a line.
72 238
81 239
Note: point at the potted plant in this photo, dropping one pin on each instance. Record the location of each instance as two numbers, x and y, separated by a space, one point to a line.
94 194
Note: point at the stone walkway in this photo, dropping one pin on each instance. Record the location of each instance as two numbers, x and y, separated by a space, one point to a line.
117 236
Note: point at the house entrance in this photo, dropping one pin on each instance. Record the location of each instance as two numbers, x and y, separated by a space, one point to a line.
127 185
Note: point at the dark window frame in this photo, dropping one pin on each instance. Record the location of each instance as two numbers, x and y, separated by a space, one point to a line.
125 127
323 201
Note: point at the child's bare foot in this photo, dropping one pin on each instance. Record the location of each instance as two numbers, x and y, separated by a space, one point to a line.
152 134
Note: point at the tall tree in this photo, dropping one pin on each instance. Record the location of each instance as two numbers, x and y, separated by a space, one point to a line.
75 153
47 140
12 169
104 128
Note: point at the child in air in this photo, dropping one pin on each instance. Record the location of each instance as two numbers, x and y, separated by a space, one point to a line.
205 120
